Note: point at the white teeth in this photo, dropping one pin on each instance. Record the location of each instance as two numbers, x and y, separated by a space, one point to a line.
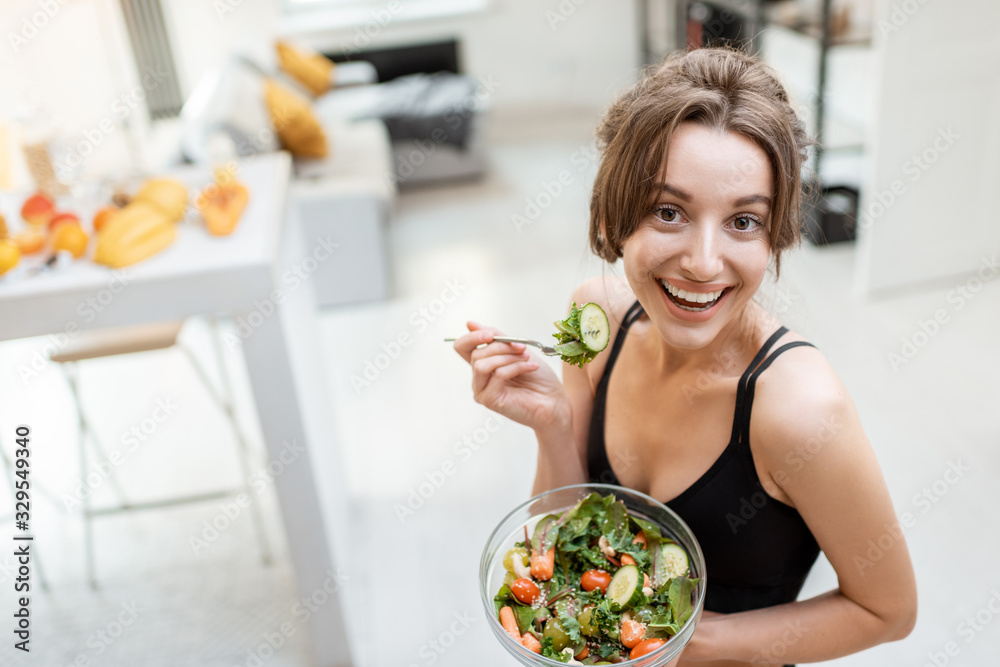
692 297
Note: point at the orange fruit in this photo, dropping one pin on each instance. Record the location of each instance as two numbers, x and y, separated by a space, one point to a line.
70 237
103 217
62 218
29 241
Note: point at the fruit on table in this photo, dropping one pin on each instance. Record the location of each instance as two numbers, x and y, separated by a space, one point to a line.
29 241
71 238
37 209
103 216
10 255
221 205
138 231
4 232
62 218
169 195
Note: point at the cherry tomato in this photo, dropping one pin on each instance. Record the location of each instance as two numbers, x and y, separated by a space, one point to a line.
593 579
632 632
646 647
526 591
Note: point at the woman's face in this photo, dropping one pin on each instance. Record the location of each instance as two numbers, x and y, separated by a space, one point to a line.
700 254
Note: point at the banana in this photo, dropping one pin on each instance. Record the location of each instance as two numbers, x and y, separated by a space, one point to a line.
140 230
148 246
128 218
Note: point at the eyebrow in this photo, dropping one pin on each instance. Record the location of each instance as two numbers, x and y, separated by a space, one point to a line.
742 201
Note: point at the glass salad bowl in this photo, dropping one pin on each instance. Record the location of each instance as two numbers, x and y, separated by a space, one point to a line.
526 515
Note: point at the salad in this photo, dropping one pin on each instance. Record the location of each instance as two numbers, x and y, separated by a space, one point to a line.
583 334
594 585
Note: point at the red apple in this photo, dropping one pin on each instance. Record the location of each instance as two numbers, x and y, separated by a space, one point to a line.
37 209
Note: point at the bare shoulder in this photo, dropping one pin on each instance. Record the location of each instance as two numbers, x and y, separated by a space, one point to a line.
611 293
614 295
799 400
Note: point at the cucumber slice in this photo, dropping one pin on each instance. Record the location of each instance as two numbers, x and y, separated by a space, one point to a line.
624 589
595 331
675 560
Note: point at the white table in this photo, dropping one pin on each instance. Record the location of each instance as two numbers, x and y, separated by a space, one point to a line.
242 275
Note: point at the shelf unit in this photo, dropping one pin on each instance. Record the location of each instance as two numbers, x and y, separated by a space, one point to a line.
750 12
753 18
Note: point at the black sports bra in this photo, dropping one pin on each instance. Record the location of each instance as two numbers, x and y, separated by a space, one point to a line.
758 550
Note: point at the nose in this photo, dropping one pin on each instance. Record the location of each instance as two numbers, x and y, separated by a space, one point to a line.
701 260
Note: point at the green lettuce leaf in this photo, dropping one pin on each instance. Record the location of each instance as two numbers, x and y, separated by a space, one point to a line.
569 333
572 628
549 651
546 533
523 613
573 348
614 524
504 598
679 594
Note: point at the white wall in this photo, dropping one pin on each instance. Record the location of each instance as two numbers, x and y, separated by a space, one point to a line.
545 55
542 58
204 33
939 103
57 63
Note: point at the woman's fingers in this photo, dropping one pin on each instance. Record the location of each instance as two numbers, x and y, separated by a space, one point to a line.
501 377
478 343
470 341
511 371
485 367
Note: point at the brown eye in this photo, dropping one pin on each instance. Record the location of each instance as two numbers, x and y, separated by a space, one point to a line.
743 224
667 214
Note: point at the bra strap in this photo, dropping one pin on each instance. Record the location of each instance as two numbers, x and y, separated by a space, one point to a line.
631 316
745 378
751 387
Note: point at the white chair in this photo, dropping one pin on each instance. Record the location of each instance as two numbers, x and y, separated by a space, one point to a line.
105 343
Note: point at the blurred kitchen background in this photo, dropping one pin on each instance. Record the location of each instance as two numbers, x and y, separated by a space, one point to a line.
453 185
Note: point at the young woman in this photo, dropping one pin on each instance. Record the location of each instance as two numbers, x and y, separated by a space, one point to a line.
703 400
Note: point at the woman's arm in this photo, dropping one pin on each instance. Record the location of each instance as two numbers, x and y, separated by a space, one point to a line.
562 450
806 433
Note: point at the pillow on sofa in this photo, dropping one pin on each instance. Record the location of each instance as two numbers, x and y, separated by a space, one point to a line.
311 69
293 120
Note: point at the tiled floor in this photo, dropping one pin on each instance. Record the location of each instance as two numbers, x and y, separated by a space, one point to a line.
413 559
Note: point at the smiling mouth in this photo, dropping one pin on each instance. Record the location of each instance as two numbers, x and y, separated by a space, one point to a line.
694 302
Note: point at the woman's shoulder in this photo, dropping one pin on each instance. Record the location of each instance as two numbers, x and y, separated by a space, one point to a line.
611 293
798 398
614 295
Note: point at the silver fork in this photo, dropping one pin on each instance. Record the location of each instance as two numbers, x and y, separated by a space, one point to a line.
546 350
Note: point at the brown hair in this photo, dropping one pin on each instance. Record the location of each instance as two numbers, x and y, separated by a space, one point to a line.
721 88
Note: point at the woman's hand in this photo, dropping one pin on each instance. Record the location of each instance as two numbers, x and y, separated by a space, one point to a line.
509 381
